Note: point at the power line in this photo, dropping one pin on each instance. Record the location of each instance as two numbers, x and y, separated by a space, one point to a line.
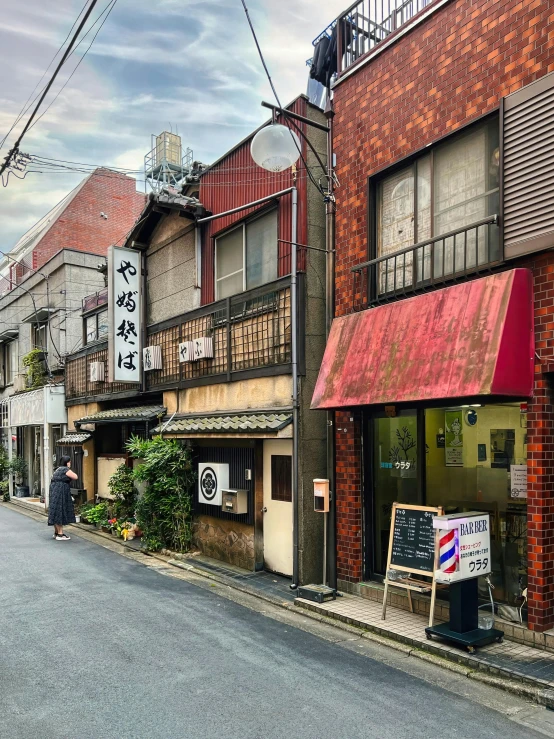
15 147
109 9
299 148
27 104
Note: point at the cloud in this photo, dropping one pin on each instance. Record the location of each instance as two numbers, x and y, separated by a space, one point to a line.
191 64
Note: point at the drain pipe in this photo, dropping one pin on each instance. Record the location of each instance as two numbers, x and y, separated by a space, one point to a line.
295 424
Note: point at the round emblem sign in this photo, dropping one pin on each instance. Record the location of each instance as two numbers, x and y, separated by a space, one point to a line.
208 483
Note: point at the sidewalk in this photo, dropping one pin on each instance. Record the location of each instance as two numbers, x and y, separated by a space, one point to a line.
524 670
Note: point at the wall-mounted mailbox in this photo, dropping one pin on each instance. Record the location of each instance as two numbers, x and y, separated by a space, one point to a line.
321 496
234 501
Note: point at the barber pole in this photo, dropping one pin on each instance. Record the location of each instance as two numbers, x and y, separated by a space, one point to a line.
447 545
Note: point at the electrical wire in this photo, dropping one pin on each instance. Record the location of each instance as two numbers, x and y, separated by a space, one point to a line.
15 147
109 9
299 148
27 104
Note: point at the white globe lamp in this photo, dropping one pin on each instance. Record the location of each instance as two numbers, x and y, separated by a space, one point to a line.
275 148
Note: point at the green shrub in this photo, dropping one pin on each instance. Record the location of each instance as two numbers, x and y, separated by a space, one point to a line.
5 490
122 487
164 511
98 514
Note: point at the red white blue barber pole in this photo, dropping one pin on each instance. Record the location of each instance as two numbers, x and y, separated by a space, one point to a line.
448 551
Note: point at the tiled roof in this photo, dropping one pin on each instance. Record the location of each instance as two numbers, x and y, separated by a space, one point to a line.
138 413
73 437
228 424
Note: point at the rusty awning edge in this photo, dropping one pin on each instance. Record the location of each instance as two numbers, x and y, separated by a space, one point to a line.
466 341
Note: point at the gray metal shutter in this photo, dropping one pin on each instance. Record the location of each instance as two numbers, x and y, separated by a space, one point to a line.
528 171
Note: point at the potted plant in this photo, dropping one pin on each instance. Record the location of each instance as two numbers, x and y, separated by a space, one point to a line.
18 468
84 512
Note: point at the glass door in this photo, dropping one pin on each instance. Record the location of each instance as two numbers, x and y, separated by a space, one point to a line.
395 475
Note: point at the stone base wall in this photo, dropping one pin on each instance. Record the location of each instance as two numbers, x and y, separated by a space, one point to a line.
228 541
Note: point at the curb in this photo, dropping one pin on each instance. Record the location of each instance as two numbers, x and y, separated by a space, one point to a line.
465 665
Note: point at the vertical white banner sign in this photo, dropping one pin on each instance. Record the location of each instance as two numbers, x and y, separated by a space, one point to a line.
124 315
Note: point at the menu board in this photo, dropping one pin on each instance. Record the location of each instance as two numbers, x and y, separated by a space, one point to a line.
413 538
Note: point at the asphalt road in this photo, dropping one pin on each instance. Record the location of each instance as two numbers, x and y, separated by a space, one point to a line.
94 645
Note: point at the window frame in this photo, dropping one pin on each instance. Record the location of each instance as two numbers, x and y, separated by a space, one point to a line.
374 180
244 225
36 330
10 359
86 317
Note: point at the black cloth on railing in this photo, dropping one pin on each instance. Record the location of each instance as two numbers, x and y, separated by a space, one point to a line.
324 64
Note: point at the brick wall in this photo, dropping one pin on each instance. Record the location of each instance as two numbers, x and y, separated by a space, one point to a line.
80 226
451 69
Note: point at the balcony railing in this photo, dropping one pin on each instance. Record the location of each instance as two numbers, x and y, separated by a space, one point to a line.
368 22
94 301
438 261
77 375
249 331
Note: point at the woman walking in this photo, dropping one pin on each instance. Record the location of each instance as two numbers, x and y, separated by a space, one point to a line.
60 511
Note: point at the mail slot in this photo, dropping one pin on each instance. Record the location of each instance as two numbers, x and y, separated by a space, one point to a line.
234 501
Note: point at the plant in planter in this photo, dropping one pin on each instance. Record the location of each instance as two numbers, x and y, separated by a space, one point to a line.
98 514
34 363
122 486
84 511
164 511
18 468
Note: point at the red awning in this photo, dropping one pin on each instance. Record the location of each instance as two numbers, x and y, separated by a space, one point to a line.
469 340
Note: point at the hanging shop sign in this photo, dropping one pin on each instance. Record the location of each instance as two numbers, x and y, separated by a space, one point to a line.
124 315
454 439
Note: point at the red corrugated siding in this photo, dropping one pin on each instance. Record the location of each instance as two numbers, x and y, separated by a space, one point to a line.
237 180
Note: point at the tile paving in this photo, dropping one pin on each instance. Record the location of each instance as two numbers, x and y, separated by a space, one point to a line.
522 661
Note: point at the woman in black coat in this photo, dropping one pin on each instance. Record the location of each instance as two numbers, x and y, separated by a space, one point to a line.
60 510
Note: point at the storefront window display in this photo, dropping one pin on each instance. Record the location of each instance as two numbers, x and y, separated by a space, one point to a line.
474 458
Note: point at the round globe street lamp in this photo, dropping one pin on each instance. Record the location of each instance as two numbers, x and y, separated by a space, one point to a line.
275 148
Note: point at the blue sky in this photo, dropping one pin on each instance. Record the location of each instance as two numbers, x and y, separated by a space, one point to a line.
188 63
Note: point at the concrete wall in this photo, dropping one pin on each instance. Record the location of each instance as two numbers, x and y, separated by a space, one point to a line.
171 269
312 451
245 395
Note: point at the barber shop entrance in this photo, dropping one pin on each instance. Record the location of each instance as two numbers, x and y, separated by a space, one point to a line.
463 457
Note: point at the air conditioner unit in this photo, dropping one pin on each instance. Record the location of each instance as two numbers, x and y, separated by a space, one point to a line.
97 371
203 347
152 358
186 351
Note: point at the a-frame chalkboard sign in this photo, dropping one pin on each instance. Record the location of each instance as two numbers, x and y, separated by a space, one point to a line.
413 548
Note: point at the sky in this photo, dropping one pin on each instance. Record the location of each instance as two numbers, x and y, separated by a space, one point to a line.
186 65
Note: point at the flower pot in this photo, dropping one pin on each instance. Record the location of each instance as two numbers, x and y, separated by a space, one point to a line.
77 519
106 529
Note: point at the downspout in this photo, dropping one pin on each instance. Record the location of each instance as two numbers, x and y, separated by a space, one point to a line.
330 211
295 424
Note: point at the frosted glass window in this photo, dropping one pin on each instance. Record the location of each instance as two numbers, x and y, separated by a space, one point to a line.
246 257
261 250
230 263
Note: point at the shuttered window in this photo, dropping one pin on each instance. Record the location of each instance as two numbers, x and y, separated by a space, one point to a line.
529 168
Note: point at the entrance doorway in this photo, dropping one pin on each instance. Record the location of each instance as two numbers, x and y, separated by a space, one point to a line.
278 506
395 453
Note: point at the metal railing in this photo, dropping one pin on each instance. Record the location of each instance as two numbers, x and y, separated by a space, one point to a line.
94 301
368 22
440 260
249 331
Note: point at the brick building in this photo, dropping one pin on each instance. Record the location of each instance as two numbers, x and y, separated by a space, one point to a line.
45 278
443 134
